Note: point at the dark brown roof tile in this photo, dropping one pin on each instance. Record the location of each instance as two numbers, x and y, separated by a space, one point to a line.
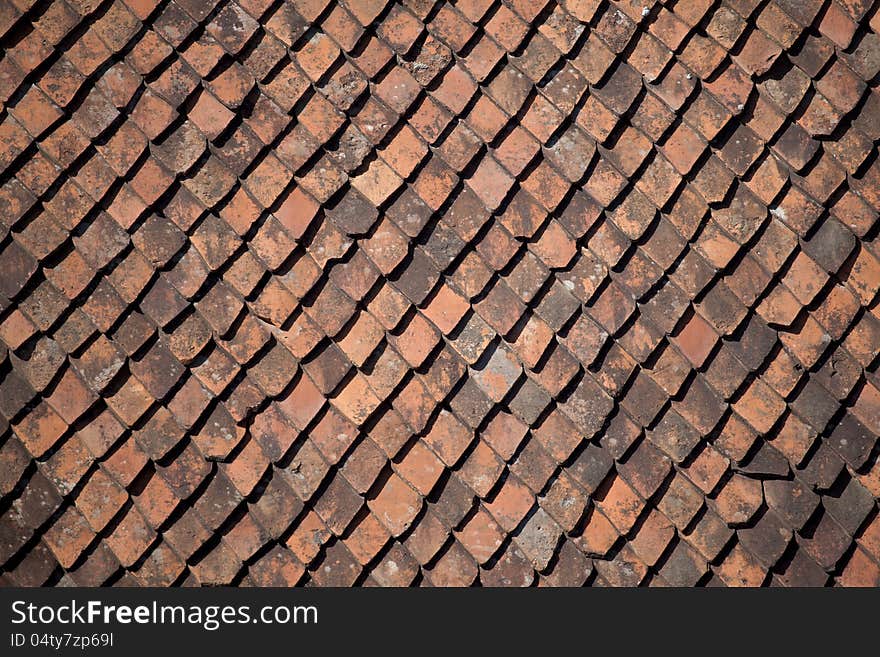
826 543
684 566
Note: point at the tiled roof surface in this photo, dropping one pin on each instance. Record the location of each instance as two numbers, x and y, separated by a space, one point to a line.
438 293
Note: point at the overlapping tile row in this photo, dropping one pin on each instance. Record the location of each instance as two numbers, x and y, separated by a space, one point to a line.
430 293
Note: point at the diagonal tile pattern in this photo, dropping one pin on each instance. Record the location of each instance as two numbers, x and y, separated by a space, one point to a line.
389 293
